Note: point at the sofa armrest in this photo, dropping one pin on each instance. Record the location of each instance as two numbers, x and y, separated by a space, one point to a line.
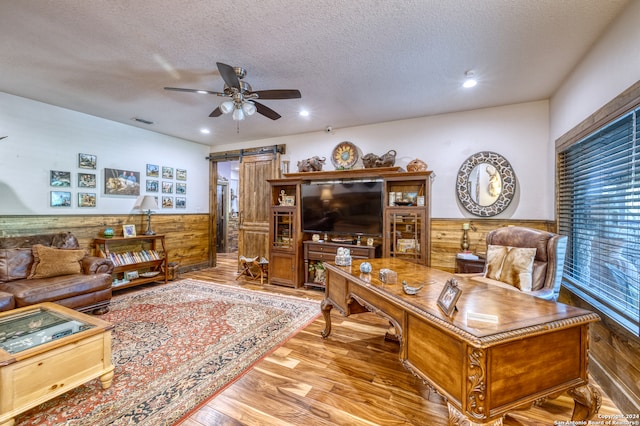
96 265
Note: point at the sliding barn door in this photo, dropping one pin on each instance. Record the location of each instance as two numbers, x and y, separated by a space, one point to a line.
254 197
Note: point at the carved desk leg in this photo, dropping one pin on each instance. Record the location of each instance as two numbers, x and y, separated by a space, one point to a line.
326 307
587 401
456 418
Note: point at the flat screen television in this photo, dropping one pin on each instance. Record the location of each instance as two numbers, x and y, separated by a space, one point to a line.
342 208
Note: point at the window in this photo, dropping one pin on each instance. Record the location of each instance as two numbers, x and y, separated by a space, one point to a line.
599 210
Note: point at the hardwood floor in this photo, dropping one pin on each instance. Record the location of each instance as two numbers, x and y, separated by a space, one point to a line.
352 378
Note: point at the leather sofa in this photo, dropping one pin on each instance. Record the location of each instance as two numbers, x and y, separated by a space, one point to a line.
32 270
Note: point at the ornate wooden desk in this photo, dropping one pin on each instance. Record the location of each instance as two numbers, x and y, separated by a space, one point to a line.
537 348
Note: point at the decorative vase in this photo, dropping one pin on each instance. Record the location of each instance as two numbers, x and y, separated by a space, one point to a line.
417 165
108 233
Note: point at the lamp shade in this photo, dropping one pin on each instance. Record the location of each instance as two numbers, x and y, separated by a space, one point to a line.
238 114
149 203
226 107
249 108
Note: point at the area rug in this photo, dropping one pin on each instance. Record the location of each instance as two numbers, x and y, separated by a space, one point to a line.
174 346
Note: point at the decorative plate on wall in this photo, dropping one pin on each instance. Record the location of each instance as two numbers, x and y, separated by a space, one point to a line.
344 155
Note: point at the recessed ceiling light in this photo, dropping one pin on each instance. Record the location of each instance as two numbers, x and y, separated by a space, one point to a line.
304 113
470 80
204 92
205 131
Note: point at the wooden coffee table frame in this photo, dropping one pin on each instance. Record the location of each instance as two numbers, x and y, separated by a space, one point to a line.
36 375
537 349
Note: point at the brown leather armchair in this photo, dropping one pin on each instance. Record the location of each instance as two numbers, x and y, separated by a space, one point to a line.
548 263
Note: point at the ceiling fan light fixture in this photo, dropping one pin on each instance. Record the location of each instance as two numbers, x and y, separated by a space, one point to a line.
238 115
249 108
226 107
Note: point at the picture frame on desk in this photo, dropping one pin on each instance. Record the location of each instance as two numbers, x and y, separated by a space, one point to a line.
449 297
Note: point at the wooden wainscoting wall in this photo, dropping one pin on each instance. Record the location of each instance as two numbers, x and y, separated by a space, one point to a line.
186 235
615 357
446 237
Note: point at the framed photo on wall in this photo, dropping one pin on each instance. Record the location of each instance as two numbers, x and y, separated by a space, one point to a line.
181 174
152 186
167 172
167 187
181 188
121 182
181 202
153 170
59 179
167 202
86 199
60 199
86 180
87 161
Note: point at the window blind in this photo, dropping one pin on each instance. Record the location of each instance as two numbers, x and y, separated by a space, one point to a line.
599 210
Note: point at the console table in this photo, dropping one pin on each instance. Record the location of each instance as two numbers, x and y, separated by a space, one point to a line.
536 349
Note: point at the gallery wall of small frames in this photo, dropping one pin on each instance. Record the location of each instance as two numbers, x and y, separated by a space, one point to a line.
166 183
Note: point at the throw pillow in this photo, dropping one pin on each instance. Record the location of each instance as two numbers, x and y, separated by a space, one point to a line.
517 268
495 259
52 262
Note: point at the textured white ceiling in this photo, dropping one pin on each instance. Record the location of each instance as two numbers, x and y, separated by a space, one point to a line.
356 62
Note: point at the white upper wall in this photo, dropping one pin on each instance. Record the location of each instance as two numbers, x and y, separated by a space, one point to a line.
517 132
44 138
610 67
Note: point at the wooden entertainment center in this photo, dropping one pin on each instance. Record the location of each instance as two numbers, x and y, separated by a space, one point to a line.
406 221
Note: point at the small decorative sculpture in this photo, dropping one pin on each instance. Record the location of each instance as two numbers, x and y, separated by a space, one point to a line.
417 165
313 164
371 160
365 267
409 289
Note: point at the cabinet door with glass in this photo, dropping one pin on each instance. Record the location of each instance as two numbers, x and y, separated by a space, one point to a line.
284 255
283 227
406 235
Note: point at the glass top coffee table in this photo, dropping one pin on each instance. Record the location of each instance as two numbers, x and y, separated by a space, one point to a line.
47 350
35 327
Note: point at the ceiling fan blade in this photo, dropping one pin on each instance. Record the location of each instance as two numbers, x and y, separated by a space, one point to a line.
228 75
216 113
266 111
278 94
209 92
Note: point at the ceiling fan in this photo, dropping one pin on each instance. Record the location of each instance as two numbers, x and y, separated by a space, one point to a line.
242 100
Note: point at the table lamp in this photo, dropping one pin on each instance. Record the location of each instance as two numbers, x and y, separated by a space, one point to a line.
149 203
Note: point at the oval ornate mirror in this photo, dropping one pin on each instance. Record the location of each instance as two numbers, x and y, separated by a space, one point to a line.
486 184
